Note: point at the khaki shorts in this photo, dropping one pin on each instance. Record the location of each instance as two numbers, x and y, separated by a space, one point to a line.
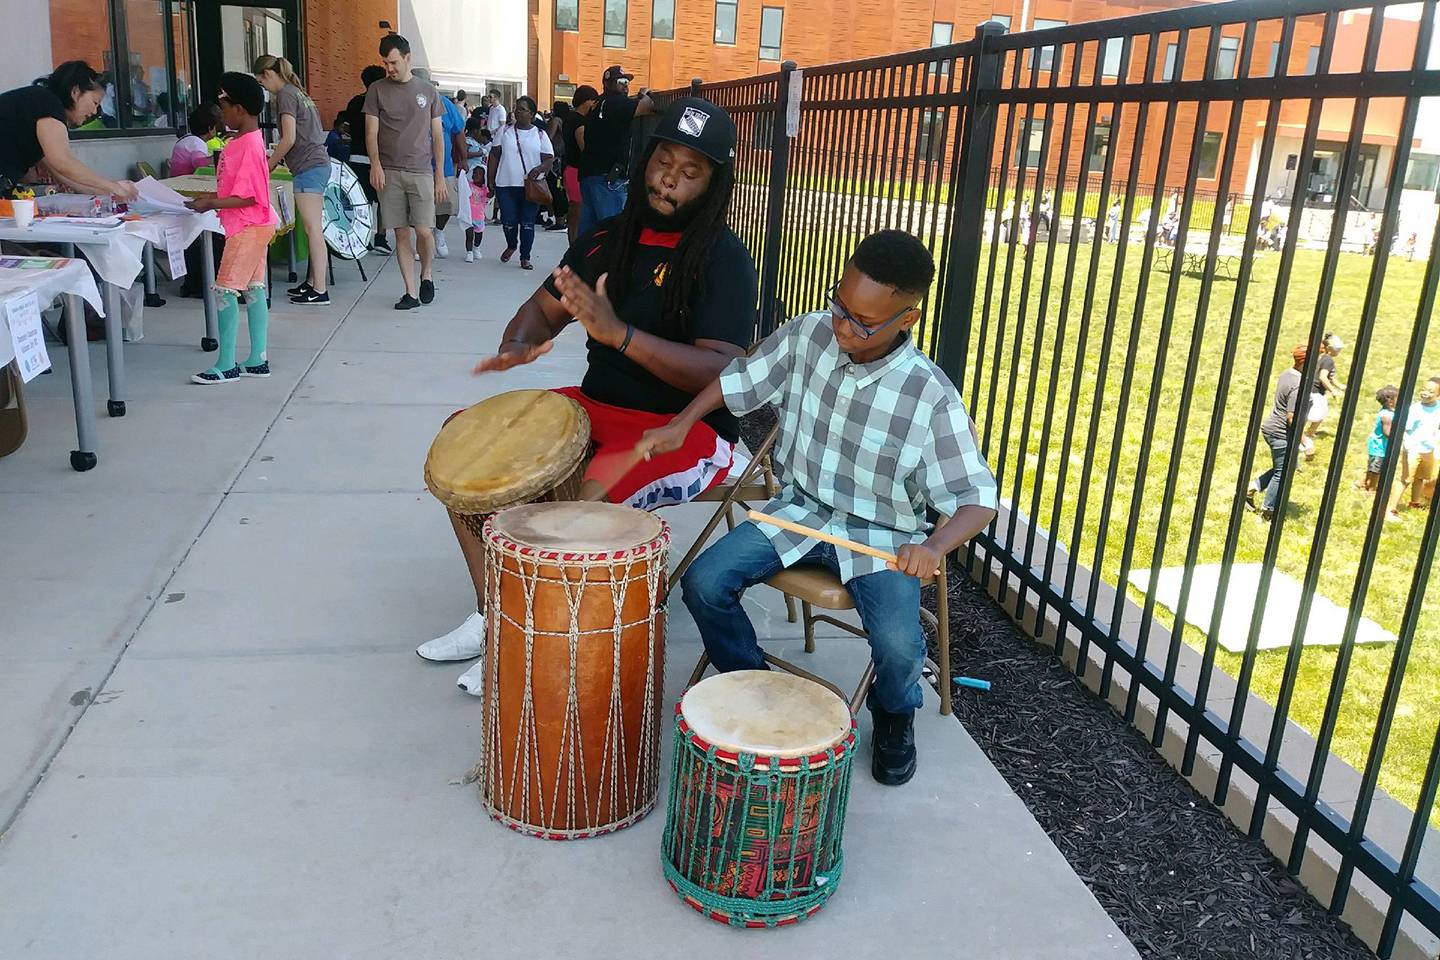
448 208
408 200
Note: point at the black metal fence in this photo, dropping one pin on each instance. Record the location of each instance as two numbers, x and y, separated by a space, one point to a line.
1134 222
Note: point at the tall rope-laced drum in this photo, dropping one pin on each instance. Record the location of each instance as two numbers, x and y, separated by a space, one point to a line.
574 667
513 448
758 790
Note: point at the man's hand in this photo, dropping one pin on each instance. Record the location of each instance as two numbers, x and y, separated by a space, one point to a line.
513 354
591 307
442 192
377 177
917 560
666 439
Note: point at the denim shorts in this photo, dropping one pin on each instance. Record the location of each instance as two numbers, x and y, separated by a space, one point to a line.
313 180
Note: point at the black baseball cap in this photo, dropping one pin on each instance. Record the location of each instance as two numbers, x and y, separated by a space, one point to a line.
617 73
701 125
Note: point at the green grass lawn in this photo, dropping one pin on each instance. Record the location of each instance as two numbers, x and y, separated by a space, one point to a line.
1005 392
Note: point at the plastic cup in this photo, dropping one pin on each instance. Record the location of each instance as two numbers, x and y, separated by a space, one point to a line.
24 212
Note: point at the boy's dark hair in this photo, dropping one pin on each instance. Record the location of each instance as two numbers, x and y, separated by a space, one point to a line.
897 260
494 93
245 92
204 118
371 74
1387 395
393 41
68 76
472 125
1435 379
583 95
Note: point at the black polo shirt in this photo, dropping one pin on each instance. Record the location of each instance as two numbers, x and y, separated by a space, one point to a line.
607 136
724 310
20 110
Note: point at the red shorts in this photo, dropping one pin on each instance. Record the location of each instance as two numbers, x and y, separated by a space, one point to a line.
704 460
572 184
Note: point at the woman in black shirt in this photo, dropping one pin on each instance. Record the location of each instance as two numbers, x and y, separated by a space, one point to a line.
37 119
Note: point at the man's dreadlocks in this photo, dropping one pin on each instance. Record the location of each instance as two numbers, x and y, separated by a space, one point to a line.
685 278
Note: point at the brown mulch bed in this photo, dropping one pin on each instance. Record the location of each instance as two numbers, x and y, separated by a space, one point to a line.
1178 878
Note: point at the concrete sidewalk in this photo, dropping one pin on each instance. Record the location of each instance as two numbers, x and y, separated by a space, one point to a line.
206 649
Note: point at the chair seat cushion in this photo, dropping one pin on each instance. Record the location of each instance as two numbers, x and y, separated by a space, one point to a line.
814 585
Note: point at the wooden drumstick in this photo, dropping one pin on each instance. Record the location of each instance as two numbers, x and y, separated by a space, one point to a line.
821 535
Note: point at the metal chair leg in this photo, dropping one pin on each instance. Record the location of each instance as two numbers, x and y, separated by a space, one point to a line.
809 626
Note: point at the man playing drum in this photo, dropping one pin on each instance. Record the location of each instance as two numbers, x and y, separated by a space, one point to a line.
871 434
667 295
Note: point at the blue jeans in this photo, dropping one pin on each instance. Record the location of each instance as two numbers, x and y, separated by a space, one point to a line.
888 602
1269 481
601 199
517 219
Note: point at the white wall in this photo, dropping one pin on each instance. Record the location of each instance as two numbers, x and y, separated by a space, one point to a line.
467 42
24 51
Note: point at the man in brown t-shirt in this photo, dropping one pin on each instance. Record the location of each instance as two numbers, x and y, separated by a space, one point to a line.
404 140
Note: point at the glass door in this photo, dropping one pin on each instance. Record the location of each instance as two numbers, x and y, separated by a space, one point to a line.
231 34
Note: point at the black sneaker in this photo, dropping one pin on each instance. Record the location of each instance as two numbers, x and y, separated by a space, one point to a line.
207 377
380 245
261 369
406 302
427 291
312 299
893 751
301 290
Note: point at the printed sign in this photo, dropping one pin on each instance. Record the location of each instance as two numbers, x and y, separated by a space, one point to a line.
28 336
175 250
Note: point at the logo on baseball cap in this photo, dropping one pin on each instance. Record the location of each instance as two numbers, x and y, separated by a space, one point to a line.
701 125
617 73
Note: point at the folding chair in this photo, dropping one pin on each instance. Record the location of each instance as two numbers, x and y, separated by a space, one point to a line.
813 587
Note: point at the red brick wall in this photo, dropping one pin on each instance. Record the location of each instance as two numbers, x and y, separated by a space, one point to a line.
341 39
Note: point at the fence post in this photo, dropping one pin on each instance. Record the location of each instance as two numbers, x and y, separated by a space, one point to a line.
695 84
775 203
977 145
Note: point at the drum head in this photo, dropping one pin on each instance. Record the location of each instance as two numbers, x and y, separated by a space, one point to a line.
765 712
577 527
506 450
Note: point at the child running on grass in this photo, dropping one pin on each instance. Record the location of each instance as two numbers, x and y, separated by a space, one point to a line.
1387 396
243 203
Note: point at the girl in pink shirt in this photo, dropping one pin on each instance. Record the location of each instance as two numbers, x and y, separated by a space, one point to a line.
243 203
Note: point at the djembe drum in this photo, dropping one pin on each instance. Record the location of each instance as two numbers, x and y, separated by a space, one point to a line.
574 667
514 448
759 785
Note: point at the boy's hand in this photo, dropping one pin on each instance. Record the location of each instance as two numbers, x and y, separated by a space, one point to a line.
666 439
917 560
513 353
591 307
201 204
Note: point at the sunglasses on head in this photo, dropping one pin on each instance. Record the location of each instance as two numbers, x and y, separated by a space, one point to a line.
224 98
863 332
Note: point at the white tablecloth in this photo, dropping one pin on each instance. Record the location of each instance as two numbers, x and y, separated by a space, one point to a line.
115 252
71 276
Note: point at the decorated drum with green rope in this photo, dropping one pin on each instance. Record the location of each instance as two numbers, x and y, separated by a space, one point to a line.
758 789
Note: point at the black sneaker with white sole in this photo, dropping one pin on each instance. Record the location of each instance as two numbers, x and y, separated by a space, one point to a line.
407 302
301 290
207 377
892 761
261 369
310 298
427 291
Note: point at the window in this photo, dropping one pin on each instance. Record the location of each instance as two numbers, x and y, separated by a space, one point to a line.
1032 136
1114 48
1048 58
1274 59
143 50
930 143
1312 61
615 11
772 20
1099 148
1423 173
662 20
563 90
941 35
725 21
1226 58
1209 155
567 14
1167 72
1001 19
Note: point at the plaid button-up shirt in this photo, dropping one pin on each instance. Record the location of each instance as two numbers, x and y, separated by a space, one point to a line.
863 448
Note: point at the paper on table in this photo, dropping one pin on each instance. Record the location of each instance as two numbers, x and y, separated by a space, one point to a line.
23 313
175 250
156 194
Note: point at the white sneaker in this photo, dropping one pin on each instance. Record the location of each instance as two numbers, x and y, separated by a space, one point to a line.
465 642
472 681
442 249
469 256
